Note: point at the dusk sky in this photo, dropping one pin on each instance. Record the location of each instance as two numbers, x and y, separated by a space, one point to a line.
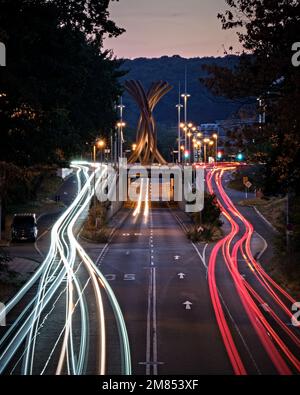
154 28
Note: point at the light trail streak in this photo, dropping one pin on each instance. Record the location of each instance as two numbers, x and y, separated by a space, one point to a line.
68 261
246 292
139 204
52 274
146 209
251 307
230 346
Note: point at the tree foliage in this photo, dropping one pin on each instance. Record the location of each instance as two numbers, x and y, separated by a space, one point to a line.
58 90
267 29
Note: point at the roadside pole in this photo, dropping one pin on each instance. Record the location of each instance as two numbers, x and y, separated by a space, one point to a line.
248 185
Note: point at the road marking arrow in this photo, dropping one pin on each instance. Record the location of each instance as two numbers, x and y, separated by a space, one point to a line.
188 305
177 257
181 276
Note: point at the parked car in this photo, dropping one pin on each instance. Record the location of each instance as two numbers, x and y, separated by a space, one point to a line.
24 227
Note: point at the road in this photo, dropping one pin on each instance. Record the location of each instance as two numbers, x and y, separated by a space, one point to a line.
150 302
56 321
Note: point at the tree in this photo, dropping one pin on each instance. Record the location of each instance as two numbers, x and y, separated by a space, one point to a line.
267 31
59 85
8 174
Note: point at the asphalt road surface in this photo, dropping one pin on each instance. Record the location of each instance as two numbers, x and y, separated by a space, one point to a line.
150 302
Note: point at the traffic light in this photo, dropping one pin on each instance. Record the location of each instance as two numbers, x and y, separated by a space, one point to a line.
219 155
186 154
240 157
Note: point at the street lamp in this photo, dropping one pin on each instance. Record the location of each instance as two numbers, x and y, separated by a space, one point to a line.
216 138
205 141
188 129
101 145
185 97
121 125
179 107
199 148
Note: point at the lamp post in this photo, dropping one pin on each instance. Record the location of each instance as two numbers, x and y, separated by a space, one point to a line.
179 107
189 134
211 144
120 126
185 97
111 146
188 129
205 142
199 148
101 145
216 138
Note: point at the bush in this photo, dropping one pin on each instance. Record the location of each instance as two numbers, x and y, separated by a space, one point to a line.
208 233
210 214
95 229
206 224
96 235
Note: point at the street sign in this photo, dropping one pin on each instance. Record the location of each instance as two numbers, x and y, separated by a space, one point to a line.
248 184
245 180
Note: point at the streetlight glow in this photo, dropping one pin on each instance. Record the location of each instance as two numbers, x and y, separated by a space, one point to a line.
100 143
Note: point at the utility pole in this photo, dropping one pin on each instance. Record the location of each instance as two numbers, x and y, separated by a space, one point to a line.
111 147
185 97
179 107
120 129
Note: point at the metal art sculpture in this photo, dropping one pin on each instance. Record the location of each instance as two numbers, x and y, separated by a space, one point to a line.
146 151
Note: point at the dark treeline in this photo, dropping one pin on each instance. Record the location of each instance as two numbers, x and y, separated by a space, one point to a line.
58 90
270 29
203 106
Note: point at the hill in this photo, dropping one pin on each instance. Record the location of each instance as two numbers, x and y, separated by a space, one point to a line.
203 106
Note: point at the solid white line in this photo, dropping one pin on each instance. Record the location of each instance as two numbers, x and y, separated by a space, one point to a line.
204 252
148 341
200 256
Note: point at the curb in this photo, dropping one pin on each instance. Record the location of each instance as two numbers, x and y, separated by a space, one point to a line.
266 246
265 220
